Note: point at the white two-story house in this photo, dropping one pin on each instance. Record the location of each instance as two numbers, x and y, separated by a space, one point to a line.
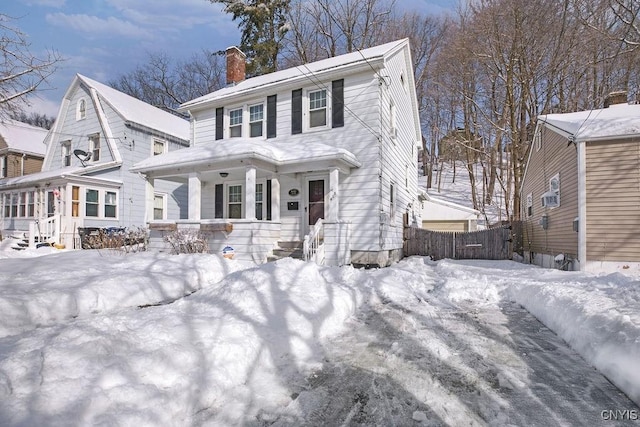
323 153
99 133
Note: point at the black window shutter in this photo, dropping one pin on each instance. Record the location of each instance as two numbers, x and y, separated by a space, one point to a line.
219 201
219 123
271 116
296 111
268 200
337 103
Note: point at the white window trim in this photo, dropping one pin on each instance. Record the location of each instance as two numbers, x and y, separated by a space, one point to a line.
163 196
66 152
306 110
264 120
101 204
529 204
4 165
165 146
243 202
242 125
551 198
81 109
92 147
537 139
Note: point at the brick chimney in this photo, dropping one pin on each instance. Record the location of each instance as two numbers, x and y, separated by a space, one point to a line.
619 97
236 63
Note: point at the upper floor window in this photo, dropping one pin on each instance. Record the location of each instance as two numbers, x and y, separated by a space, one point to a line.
318 108
530 204
66 153
159 147
94 147
256 120
537 139
235 123
314 109
81 111
3 166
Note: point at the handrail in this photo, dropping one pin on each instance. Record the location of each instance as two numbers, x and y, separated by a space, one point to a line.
47 229
311 243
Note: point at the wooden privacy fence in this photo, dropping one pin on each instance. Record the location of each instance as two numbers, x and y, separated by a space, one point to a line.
493 243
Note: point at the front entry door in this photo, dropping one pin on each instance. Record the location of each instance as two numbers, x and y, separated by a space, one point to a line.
316 200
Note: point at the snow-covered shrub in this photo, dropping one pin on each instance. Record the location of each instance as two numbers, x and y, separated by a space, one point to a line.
187 242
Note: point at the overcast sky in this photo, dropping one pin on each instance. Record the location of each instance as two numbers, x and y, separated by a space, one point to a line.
103 39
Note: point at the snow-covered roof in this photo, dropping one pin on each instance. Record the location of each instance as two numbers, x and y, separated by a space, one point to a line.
359 57
66 173
136 111
449 204
23 137
616 121
283 153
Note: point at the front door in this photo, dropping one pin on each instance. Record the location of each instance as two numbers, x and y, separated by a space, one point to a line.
316 200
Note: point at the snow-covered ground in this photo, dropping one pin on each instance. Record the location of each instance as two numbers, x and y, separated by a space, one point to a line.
99 338
454 185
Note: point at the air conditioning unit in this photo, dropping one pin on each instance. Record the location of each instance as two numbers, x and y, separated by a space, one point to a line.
550 199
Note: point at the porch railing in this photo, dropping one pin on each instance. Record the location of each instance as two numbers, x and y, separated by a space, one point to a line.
312 246
44 230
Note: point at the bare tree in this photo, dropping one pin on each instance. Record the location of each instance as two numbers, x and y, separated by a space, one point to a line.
165 84
21 73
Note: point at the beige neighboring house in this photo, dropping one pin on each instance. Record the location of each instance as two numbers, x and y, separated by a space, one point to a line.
581 191
22 148
443 215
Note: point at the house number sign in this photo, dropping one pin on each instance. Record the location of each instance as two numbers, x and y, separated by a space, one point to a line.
294 192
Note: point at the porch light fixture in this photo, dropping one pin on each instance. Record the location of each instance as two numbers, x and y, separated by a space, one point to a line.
224 174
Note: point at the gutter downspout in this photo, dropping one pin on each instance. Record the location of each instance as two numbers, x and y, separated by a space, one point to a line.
22 164
582 205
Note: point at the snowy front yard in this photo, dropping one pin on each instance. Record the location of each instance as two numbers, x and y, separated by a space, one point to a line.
93 337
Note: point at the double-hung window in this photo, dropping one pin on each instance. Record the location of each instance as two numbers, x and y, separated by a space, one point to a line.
159 206
234 201
92 202
94 147
31 210
66 153
7 205
259 201
318 108
235 123
256 120
23 204
110 204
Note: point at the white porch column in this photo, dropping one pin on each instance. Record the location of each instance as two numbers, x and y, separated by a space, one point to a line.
250 193
149 199
275 199
195 196
334 195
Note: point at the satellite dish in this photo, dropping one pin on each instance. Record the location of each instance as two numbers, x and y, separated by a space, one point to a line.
82 155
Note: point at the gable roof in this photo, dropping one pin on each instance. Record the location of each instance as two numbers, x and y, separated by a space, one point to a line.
617 121
133 110
363 57
23 137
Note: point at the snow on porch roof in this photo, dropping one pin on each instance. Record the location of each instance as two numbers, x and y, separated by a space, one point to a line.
23 137
618 120
280 154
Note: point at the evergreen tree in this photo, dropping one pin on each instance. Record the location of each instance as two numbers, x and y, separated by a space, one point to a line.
263 24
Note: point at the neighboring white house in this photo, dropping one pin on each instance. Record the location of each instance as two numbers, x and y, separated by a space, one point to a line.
98 135
324 153
443 215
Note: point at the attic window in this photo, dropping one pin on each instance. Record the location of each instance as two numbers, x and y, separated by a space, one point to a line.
81 112
537 139
530 204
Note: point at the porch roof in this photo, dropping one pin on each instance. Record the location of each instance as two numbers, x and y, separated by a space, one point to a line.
67 174
224 153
